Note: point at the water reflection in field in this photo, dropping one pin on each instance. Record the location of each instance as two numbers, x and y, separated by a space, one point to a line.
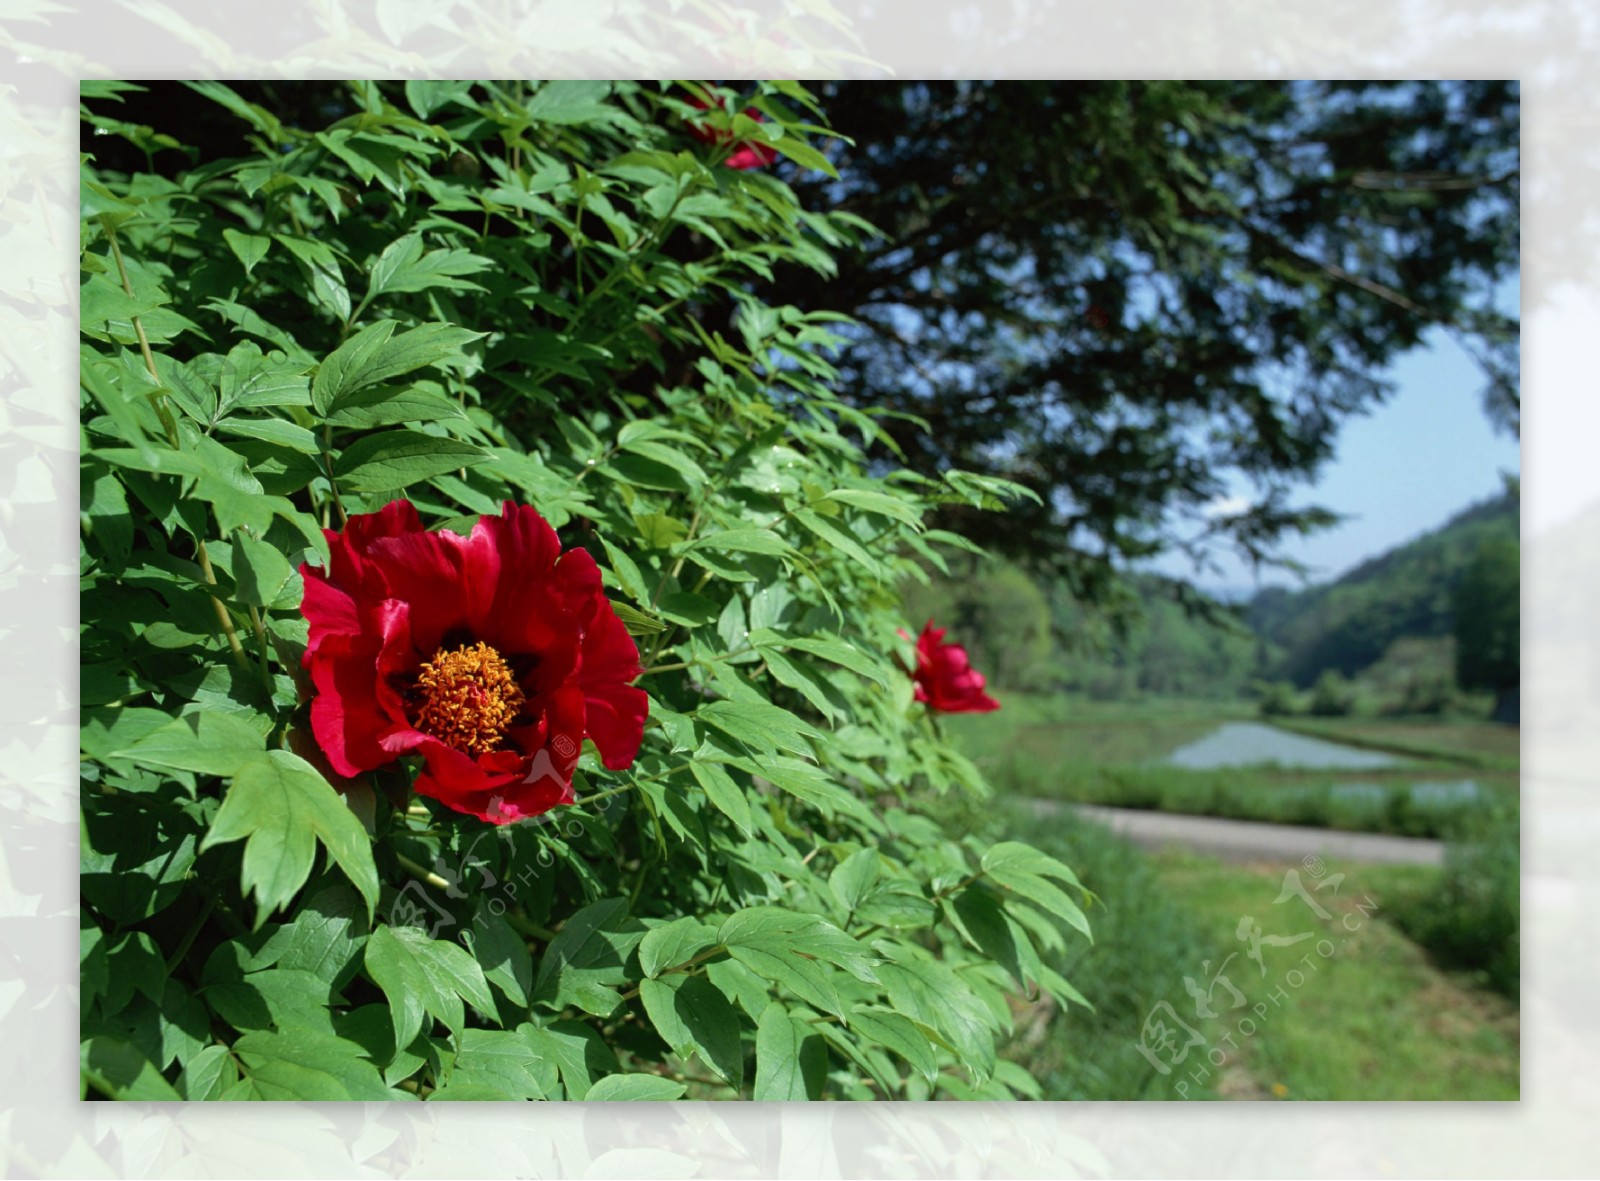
1243 744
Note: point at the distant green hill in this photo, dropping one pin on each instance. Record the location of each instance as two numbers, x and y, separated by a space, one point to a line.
1349 624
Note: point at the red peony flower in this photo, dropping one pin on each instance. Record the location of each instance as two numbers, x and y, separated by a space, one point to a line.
749 154
946 680
490 656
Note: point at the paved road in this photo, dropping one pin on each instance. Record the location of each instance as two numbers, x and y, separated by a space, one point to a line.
1248 840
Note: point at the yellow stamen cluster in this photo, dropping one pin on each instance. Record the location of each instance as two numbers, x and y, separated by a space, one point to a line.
467 698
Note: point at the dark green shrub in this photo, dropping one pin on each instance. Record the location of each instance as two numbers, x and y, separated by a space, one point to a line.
1472 919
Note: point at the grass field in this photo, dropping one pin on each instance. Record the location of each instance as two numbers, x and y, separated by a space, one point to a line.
1375 1019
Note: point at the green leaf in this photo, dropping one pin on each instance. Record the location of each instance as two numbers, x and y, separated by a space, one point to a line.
804 154
376 354
840 539
249 249
615 1088
776 929
391 460
674 943
807 783
325 937
1023 869
321 269
899 1034
791 1062
208 1074
502 954
427 97
898 909
506 1061
209 743
877 502
307 1064
666 456
853 877
931 994
276 997
278 803
765 727
261 572
840 652
249 380
577 1052
660 530
587 957
115 1067
750 541
637 622
806 681
572 103
273 430
423 976
388 405
344 370
725 795
780 949
694 1018
404 267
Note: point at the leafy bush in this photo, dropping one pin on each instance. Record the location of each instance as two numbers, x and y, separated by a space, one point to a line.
1147 935
461 295
1332 696
1277 699
1473 918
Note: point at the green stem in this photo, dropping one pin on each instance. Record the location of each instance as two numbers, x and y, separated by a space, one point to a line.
530 929
421 872
327 464
223 616
261 644
689 967
171 428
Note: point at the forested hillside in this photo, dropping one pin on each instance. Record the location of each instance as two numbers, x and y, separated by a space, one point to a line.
1407 593
1415 625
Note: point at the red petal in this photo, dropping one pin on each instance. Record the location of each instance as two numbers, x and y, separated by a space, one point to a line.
614 710
456 779
518 616
346 715
348 548
328 610
427 571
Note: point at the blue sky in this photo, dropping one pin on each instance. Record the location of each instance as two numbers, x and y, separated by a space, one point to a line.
1399 471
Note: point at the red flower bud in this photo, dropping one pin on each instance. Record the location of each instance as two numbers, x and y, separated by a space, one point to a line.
945 679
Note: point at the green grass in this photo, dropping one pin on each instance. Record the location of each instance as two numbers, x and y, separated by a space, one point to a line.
1141 931
1375 1020
1383 1017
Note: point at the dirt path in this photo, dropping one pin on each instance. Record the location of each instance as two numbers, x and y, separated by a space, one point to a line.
1249 840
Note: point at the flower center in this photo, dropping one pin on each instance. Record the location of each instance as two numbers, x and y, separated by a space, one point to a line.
467 698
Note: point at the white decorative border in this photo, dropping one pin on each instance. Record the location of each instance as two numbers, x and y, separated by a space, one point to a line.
45 1131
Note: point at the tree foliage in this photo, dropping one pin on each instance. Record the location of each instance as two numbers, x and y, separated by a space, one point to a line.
1411 591
448 291
1488 617
1127 295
